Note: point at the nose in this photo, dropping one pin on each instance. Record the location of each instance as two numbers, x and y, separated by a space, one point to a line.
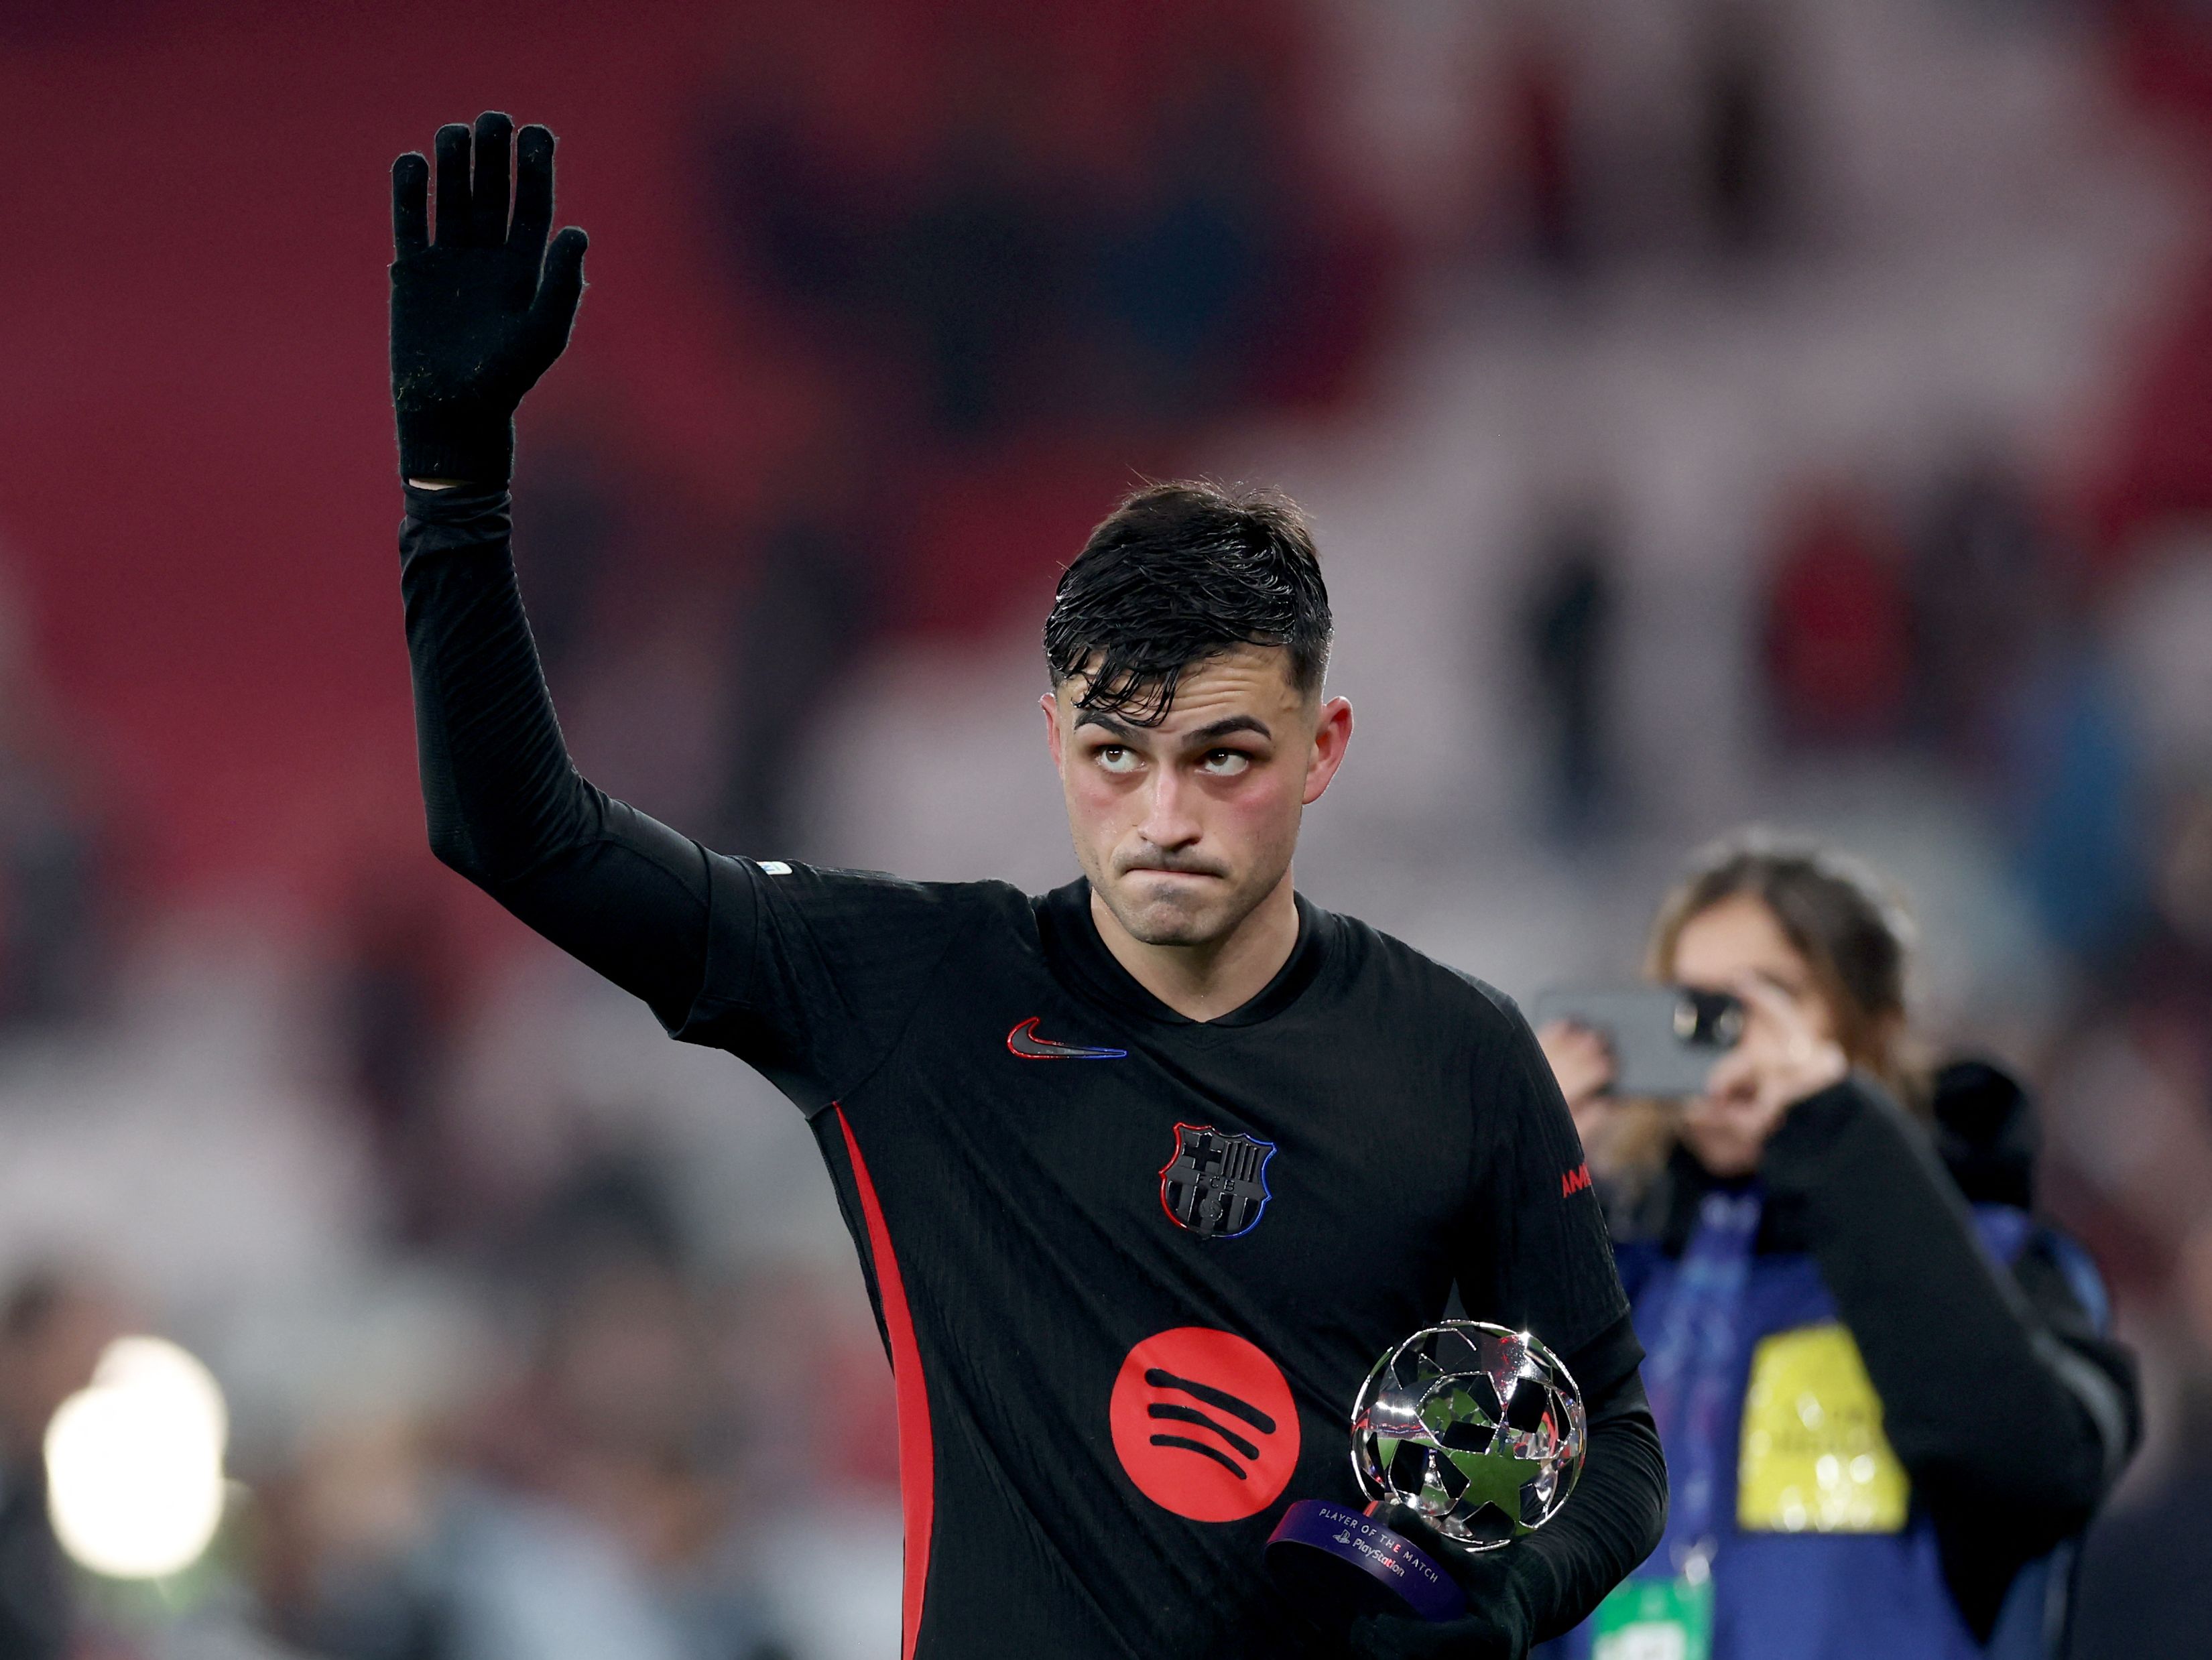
1169 821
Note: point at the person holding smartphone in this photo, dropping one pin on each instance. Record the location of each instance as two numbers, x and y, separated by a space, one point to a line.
1882 1382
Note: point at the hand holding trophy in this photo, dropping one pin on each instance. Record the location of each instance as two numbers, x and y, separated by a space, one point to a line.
1465 1437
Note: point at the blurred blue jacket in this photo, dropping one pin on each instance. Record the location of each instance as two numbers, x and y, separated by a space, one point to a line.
1982 1332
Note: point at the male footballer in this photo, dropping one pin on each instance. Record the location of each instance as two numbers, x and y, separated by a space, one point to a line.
1145 1172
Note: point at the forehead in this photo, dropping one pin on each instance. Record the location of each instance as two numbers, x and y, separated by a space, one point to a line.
1246 680
1729 936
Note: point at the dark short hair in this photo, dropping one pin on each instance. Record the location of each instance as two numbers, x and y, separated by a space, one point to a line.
1180 573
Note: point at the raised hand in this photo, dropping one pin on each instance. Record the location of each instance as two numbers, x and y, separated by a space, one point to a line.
480 313
1782 1058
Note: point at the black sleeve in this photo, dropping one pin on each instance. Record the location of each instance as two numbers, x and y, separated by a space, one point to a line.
2007 1409
807 974
1534 1251
1537 1257
1618 1511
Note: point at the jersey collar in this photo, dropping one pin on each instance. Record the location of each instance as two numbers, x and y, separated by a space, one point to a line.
1079 957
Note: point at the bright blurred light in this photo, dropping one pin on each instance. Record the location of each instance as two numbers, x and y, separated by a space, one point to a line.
134 1462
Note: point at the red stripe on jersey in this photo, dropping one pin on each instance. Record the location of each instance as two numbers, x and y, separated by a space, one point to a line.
917 1454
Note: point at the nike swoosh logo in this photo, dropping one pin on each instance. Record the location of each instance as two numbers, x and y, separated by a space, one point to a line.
1022 1040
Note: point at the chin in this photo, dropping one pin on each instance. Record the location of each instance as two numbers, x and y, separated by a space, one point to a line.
1152 919
1729 1163
1160 924
1179 931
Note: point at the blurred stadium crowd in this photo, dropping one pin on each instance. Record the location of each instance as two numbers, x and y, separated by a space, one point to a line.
1713 411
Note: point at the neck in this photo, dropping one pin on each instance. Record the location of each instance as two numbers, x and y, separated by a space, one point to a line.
1205 982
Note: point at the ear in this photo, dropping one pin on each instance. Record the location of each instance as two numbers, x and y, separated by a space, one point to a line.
1331 737
1050 704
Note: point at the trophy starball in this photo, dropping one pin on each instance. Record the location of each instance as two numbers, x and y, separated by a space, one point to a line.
1465 1437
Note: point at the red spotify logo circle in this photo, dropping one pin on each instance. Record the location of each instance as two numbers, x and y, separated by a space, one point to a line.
1204 1424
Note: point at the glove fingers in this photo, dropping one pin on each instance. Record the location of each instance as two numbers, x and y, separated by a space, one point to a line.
545 330
1388 1636
533 203
1392 1636
410 205
487 203
452 153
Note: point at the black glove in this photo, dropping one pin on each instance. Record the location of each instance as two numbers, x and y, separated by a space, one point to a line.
1485 1634
474 322
1496 1626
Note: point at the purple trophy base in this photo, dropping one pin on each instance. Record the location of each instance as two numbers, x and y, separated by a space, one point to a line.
1339 1563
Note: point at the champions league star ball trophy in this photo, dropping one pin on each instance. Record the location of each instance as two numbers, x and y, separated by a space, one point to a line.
1466 1436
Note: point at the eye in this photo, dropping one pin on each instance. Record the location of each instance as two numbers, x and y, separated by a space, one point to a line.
1113 757
1224 763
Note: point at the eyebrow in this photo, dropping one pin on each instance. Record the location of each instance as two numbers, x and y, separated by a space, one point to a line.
1223 727
1096 718
1204 735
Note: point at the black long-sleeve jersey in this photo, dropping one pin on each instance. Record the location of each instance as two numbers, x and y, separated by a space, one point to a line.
1130 1268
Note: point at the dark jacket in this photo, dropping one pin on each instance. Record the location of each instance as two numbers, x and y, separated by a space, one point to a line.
1982 1332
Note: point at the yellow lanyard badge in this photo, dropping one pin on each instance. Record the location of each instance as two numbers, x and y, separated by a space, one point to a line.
1814 1457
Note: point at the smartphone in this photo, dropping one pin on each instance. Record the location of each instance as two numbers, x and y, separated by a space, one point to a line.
1664 1038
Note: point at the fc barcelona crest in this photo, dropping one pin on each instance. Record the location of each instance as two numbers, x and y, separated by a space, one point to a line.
1216 1185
